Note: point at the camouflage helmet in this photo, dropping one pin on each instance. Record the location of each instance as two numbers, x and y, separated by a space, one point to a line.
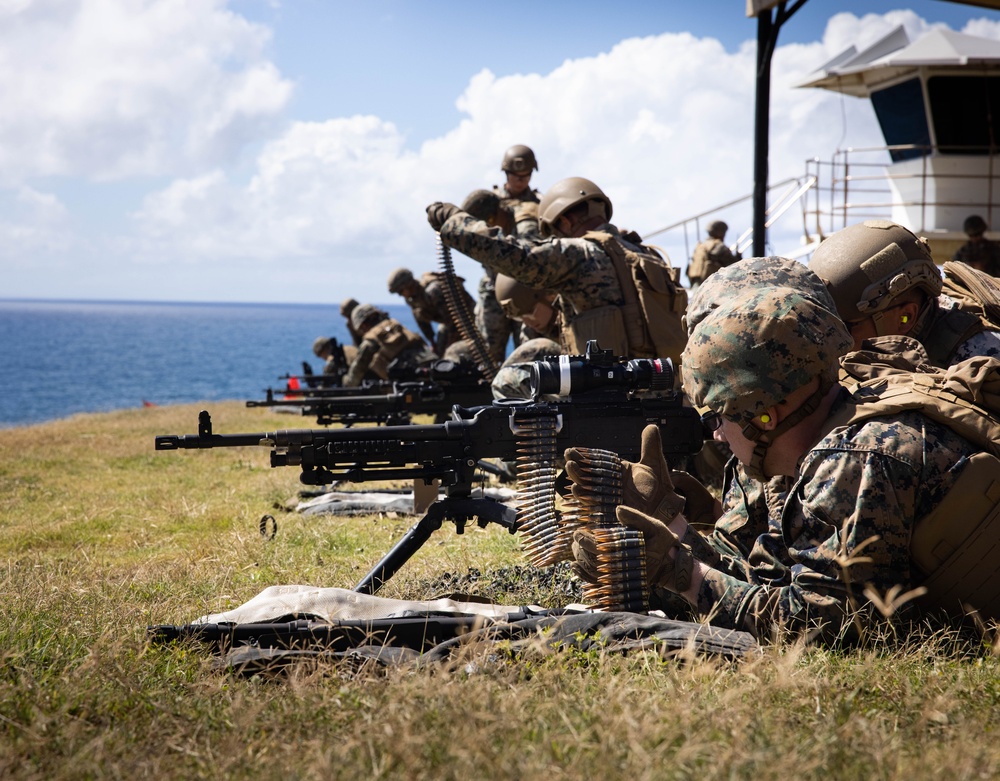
717 228
365 312
519 159
868 265
754 274
758 347
348 306
399 279
974 225
567 193
515 298
322 345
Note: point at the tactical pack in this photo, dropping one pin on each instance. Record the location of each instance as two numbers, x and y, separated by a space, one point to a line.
978 297
393 338
655 301
974 290
956 547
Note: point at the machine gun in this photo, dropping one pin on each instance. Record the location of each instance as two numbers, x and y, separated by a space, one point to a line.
598 403
391 408
332 376
433 391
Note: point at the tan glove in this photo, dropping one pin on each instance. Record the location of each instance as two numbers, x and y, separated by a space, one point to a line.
645 485
701 508
438 213
662 569
584 549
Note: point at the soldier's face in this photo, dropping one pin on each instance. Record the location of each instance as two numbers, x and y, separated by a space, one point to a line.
732 434
540 318
517 183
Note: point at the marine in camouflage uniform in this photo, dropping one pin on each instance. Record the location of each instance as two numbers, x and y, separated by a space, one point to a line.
979 252
514 209
711 255
388 348
428 301
496 327
578 269
885 283
748 531
346 308
765 362
524 305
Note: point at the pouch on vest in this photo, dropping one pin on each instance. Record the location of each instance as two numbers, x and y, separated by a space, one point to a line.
604 324
957 545
655 302
393 338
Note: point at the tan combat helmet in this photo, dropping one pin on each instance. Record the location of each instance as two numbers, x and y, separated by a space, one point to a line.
567 193
348 306
515 298
366 316
399 279
322 345
717 229
519 159
869 265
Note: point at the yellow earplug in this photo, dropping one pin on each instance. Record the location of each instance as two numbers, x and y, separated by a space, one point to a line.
765 418
905 319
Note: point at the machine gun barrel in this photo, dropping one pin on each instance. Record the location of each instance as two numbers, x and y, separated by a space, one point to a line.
394 406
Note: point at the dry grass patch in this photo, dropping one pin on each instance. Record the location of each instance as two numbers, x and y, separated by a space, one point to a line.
102 536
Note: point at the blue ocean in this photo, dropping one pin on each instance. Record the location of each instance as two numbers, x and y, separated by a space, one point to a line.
64 357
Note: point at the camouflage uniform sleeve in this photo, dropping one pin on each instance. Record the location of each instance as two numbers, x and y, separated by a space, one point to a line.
846 525
545 265
356 371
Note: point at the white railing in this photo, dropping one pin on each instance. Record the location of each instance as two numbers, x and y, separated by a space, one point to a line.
927 189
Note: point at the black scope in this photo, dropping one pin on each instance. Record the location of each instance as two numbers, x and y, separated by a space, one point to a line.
564 375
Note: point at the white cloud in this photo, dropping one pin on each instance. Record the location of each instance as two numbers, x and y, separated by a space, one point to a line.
118 88
664 124
33 223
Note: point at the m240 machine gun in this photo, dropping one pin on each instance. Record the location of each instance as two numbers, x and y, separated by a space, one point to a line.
592 401
390 402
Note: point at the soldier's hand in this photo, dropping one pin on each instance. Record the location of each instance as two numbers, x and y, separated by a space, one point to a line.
438 213
584 549
701 508
646 484
673 572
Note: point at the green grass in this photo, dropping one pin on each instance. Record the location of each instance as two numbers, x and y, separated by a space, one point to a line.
101 536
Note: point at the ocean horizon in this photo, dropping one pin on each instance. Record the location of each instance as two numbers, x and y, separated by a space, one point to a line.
66 356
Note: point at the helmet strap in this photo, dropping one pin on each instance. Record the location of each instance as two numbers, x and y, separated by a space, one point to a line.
763 439
882 327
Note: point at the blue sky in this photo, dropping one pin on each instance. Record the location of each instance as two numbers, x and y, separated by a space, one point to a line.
407 61
283 150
